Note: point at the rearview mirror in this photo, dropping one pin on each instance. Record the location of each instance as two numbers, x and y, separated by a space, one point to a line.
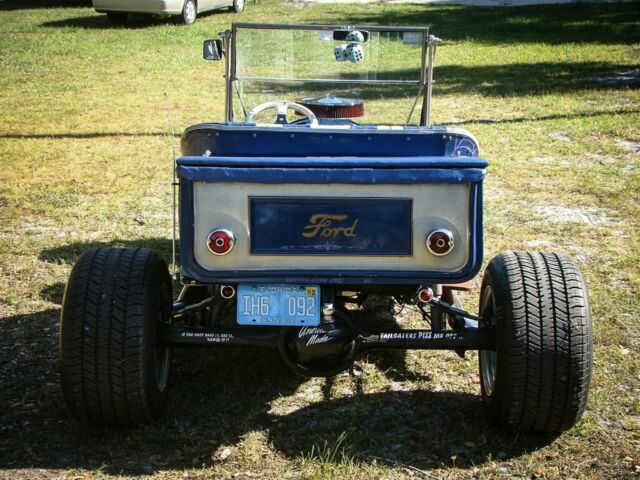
212 49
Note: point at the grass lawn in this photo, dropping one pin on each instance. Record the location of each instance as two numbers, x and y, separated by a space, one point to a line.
87 111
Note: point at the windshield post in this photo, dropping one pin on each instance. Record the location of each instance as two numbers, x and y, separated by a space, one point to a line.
227 39
425 117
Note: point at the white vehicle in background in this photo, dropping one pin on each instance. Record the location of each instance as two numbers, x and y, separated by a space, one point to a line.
118 10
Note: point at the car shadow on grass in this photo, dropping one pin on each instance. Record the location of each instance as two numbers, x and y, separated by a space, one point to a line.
101 22
217 398
603 23
69 253
83 135
421 428
134 21
470 121
514 79
32 4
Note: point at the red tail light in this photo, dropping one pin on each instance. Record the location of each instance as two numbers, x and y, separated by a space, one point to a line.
425 295
221 241
440 242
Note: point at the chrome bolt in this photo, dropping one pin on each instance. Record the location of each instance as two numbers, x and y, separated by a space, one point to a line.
328 310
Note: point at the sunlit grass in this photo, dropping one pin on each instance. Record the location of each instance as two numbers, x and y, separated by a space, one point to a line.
89 117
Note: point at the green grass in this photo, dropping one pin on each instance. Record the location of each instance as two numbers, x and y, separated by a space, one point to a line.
85 150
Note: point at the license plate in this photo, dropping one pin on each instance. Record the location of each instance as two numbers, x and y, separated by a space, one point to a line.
279 305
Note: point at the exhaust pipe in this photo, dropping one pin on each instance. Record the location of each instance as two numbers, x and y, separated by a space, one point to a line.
227 292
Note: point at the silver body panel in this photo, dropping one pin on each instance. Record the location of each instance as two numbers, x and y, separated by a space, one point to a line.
157 7
227 204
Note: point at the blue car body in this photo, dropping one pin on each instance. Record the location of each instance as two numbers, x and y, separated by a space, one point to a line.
219 155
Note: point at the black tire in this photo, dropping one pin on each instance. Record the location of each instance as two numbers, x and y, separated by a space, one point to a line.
538 378
117 18
189 12
238 6
113 373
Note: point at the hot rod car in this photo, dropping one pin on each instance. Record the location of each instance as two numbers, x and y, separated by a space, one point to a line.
326 182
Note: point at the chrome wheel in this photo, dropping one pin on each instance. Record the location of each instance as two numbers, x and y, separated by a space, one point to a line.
238 5
189 12
488 358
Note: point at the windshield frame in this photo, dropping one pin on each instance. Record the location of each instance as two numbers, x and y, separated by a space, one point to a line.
425 81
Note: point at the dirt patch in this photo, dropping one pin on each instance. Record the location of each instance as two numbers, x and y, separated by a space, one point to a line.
562 214
547 160
562 136
620 78
629 145
601 159
629 169
538 244
544 160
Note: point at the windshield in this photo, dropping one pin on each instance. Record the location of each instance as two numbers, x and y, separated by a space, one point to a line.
366 74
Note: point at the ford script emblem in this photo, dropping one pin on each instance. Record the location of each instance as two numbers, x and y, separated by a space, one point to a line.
327 225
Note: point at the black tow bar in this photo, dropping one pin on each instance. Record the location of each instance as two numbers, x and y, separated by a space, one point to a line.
179 336
467 339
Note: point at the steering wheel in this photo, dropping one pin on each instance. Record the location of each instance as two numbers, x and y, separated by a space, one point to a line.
281 109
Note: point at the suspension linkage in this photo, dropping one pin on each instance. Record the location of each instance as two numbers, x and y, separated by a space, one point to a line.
445 307
179 308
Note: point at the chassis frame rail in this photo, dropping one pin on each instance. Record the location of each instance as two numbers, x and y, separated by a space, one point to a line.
468 339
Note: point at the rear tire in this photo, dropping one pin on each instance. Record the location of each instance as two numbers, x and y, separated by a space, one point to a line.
117 18
113 372
538 378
